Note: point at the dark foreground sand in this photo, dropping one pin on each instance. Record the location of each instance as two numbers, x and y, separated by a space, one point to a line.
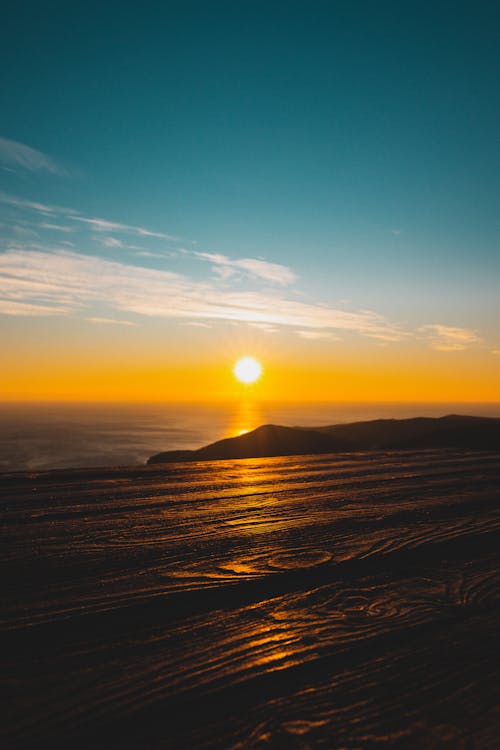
347 601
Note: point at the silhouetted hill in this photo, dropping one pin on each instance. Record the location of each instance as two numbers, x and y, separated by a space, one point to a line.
452 431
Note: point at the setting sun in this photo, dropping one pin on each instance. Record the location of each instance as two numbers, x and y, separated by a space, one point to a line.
247 370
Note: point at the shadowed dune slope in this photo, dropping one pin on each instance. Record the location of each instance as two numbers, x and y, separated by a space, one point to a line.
334 602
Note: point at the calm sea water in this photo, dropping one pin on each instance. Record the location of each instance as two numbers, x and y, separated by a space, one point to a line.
48 436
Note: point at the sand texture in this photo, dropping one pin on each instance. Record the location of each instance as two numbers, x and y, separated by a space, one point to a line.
330 601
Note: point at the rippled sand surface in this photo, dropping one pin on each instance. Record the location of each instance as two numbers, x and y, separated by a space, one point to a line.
344 601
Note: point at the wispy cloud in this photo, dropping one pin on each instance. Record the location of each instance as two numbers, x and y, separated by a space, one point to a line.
388 336
262 269
56 227
102 225
317 335
110 321
18 154
38 278
24 232
62 280
13 307
111 242
41 208
448 338
95 224
141 252
265 327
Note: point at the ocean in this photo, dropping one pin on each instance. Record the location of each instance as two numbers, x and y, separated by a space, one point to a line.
65 435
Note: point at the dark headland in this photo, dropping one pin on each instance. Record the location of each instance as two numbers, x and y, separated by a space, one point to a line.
452 431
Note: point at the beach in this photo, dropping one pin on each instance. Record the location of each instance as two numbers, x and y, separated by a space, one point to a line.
333 601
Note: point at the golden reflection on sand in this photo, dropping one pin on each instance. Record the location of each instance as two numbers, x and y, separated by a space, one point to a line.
274 651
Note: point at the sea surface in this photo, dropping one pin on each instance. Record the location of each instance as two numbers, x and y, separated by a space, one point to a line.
65 435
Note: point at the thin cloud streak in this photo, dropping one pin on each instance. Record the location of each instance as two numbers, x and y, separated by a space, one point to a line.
21 155
11 307
449 338
111 242
56 227
317 335
110 321
265 327
226 267
96 224
42 208
102 225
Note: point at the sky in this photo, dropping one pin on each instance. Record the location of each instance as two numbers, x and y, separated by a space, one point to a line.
314 184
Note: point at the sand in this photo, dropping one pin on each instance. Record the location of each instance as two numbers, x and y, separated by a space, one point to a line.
346 601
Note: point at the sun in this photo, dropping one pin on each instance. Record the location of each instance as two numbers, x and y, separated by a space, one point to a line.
247 370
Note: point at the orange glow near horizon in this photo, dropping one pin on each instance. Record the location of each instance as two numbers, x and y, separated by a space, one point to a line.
282 384
133 366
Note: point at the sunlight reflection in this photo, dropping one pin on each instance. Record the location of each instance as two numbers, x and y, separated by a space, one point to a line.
247 417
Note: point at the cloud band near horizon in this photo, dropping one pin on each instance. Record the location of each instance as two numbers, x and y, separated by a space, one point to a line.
41 279
34 282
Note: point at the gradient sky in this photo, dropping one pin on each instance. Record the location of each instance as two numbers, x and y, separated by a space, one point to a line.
312 183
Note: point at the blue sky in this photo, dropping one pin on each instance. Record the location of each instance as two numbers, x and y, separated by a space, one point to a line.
334 164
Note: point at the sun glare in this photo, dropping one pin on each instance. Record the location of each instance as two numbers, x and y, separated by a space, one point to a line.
247 370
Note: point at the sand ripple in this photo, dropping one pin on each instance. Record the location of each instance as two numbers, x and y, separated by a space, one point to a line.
322 602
